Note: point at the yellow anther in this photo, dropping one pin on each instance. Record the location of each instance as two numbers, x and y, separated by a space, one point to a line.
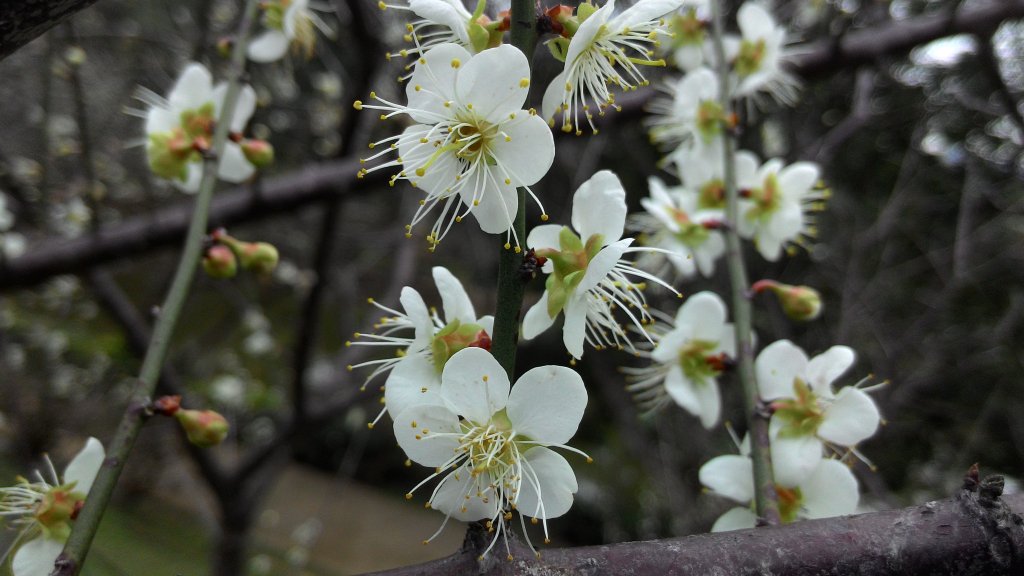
544 217
358 104
524 82
456 63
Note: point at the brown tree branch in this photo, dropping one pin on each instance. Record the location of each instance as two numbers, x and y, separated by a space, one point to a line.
975 533
22 21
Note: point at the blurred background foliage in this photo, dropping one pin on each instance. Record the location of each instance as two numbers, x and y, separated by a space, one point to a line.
920 257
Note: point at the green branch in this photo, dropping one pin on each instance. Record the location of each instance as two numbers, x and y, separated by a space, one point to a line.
85 526
511 285
765 498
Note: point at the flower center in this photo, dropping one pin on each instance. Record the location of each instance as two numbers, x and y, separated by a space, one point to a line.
766 199
570 264
802 414
689 30
697 363
790 502
709 119
750 58
491 449
690 233
472 138
712 195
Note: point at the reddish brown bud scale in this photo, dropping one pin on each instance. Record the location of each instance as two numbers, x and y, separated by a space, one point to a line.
166 405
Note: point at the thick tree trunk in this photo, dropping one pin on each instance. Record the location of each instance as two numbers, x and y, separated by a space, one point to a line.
975 533
21 21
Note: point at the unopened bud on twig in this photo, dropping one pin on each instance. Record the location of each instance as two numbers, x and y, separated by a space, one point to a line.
801 303
205 428
220 262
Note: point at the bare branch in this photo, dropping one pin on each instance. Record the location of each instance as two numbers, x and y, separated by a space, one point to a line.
21 22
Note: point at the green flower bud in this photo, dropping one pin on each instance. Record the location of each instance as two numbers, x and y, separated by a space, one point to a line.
801 303
205 428
260 257
258 152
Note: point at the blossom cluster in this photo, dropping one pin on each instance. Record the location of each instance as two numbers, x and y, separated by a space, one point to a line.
813 431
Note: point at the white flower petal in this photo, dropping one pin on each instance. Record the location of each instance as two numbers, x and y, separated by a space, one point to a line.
705 312
668 346
245 105
494 204
547 404
794 458
754 21
644 11
797 179
451 14
192 90
161 120
433 83
544 236
735 519
830 491
269 46
537 319
85 465
850 418
585 35
416 309
437 445
554 94
474 385
36 557
492 82
413 381
826 367
456 303
599 207
575 326
526 156
552 474
777 366
730 476
710 402
234 166
682 390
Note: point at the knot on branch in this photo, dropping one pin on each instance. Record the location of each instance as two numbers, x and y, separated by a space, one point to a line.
980 498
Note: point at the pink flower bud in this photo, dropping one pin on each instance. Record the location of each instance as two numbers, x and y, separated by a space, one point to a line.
220 262
204 428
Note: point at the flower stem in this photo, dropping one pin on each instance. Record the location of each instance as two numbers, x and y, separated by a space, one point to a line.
765 497
511 285
85 526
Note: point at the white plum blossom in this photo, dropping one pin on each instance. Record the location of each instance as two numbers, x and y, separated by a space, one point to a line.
288 23
808 415
447 22
491 446
472 144
775 200
605 50
414 372
757 56
688 26
687 359
829 490
587 277
45 506
181 125
691 115
675 221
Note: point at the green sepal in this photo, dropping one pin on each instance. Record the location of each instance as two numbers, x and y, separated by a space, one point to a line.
559 48
569 241
558 295
479 37
584 11
593 246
